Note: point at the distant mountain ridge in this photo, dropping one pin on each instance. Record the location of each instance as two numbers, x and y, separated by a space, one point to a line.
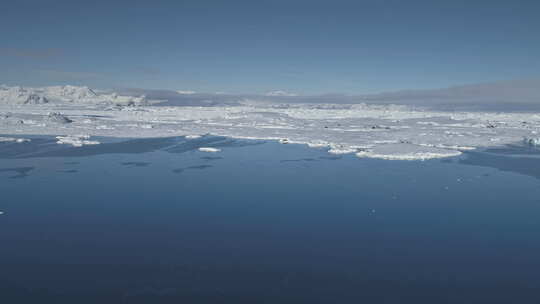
503 95
65 94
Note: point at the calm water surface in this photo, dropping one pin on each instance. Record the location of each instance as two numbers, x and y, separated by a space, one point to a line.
157 221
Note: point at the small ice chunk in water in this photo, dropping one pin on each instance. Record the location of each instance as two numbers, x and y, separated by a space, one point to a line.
13 139
1 212
209 149
76 140
532 141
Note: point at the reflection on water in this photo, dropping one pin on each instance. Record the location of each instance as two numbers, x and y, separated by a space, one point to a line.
68 171
47 146
198 167
513 158
136 164
298 160
21 171
209 158
330 157
263 223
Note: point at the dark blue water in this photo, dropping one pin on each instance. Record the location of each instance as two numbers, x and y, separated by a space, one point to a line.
157 221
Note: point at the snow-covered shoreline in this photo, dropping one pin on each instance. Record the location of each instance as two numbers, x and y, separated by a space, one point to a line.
376 131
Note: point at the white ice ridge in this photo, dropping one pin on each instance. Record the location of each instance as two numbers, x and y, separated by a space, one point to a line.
376 131
209 149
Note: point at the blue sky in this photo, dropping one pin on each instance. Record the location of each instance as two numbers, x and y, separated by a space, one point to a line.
308 47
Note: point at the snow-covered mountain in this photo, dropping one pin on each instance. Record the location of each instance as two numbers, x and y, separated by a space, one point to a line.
65 94
20 95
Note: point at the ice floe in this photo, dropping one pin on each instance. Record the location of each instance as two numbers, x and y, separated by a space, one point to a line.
404 151
209 149
336 149
13 139
535 141
76 140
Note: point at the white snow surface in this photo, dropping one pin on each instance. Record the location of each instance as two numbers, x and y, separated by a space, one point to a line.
375 131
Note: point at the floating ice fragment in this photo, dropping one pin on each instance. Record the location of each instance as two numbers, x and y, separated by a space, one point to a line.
532 141
406 151
193 136
12 139
76 140
209 149
317 144
339 149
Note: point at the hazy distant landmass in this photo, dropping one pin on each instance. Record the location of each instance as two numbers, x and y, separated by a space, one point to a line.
514 95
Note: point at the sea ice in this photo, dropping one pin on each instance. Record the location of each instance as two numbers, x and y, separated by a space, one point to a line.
13 139
58 117
532 141
377 131
405 151
76 141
